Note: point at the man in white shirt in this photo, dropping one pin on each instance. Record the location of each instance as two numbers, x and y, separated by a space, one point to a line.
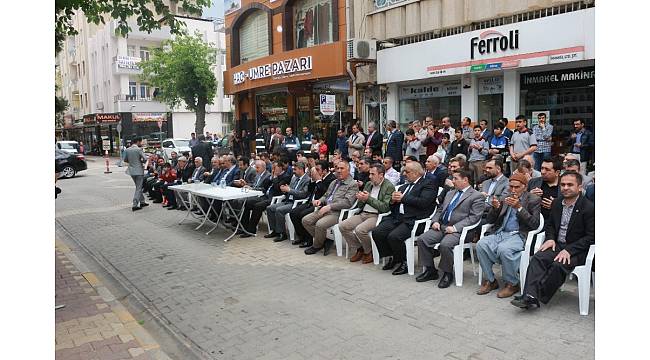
446 128
391 175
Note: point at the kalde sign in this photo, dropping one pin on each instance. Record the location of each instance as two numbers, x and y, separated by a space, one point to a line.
277 68
493 44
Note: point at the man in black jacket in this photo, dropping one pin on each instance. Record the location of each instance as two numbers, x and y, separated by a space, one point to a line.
581 143
412 201
203 149
321 178
374 141
569 234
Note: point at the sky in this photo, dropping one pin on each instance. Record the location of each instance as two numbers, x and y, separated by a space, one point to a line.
216 10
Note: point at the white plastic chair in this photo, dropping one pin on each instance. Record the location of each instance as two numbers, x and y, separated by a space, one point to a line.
375 251
410 242
584 275
335 233
525 257
458 254
287 220
274 200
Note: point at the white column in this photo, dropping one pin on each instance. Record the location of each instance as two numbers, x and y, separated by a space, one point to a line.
469 99
392 103
510 94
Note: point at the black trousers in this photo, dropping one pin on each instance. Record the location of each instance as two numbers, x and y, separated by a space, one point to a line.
253 213
296 216
390 235
155 191
545 276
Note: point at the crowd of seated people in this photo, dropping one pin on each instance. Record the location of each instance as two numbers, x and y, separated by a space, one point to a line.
470 181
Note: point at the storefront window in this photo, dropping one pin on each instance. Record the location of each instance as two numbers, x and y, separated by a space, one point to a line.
490 100
272 109
254 37
435 100
312 23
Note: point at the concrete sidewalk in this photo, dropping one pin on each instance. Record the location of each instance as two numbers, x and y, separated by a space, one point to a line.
93 324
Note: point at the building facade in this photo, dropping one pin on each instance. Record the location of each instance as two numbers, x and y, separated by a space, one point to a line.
285 58
100 77
484 60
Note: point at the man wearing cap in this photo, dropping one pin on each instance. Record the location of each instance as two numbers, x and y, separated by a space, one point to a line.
512 217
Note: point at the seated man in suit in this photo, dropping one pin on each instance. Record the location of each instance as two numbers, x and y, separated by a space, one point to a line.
373 200
297 189
261 182
199 171
569 234
436 171
321 178
340 195
412 201
462 207
548 185
254 207
512 219
574 165
246 172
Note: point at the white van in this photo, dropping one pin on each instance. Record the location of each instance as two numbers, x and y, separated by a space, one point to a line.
71 147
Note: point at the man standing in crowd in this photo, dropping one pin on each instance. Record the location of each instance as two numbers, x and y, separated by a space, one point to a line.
413 144
543 133
394 144
203 149
523 142
134 156
412 201
291 143
433 139
462 207
305 140
375 140
581 143
373 200
342 142
478 150
193 141
446 127
356 140
499 143
547 186
468 132
513 218
297 189
569 234
340 195
485 132
459 145
421 135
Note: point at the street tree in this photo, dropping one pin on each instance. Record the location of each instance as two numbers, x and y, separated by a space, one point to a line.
182 72
149 15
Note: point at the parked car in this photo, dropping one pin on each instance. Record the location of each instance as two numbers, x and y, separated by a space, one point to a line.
71 147
178 145
69 164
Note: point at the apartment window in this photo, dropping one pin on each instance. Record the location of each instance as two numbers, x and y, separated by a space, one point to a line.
130 50
132 90
312 23
144 91
144 53
254 37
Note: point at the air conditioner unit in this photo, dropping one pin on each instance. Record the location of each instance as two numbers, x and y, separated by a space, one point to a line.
362 50
100 105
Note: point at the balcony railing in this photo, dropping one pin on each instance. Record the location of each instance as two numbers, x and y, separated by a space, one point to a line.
122 97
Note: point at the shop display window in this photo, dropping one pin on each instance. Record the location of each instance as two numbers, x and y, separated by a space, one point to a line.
312 23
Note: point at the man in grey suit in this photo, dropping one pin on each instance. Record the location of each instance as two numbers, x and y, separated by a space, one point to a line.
340 195
356 141
497 182
462 207
297 189
134 156
513 217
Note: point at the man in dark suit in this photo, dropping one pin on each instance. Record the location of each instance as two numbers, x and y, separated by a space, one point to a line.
374 142
412 201
512 219
435 171
254 207
198 171
581 143
203 149
394 144
297 189
321 178
569 234
462 207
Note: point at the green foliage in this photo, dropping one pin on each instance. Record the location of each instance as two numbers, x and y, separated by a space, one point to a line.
60 105
149 14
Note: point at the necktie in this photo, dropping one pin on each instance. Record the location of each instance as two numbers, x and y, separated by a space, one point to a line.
401 206
336 186
257 182
368 142
450 208
493 184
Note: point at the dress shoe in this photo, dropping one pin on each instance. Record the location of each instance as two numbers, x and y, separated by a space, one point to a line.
173 207
306 244
402 268
245 235
357 256
367 258
327 246
427 275
239 232
389 265
312 250
296 242
446 280
271 235
282 237
508 291
143 204
487 286
136 208
525 302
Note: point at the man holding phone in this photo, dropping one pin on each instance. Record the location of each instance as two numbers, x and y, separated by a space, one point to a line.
547 186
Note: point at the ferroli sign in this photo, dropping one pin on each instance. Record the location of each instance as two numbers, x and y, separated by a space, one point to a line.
492 41
276 69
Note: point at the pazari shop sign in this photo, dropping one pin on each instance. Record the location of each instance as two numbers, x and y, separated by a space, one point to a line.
276 69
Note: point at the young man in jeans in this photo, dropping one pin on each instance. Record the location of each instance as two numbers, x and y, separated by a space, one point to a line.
543 133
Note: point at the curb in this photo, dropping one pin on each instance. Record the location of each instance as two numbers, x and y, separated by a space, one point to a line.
142 336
